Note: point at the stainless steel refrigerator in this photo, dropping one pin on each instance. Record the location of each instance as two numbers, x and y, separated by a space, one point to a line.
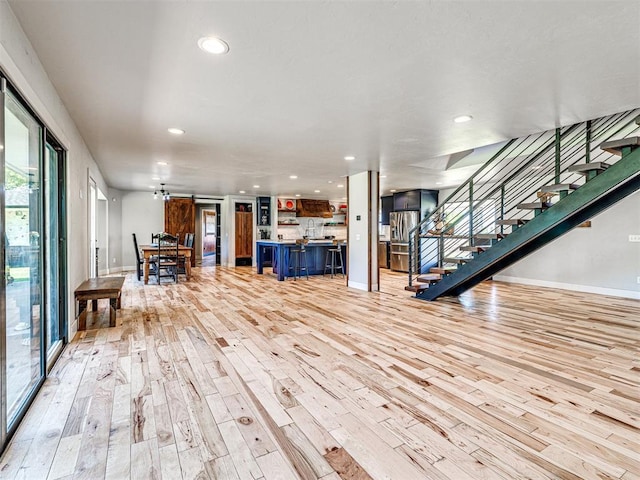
401 223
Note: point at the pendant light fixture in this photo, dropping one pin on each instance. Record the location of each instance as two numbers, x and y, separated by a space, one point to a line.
165 194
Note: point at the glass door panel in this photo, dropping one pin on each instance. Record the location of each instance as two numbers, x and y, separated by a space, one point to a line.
53 334
23 256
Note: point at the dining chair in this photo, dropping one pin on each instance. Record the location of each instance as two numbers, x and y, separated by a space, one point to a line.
182 259
139 261
167 258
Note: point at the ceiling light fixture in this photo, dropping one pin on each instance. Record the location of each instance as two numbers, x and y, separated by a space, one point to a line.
340 185
330 181
256 186
463 119
392 190
298 195
175 131
213 45
242 191
383 176
438 183
349 157
316 191
162 163
165 194
293 177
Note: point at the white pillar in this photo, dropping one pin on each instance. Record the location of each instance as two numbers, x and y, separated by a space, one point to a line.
362 235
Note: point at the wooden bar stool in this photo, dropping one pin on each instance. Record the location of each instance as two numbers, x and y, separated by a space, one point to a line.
298 259
330 260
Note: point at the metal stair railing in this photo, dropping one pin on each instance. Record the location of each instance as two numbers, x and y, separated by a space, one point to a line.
512 176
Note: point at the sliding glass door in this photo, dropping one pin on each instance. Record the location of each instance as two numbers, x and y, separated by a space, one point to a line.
23 233
33 291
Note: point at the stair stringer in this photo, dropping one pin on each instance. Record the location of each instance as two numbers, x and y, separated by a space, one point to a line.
595 196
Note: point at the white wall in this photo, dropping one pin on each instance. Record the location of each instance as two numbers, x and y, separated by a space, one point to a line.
115 230
599 259
20 62
142 215
362 250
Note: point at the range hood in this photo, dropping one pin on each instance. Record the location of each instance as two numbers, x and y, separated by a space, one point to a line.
313 208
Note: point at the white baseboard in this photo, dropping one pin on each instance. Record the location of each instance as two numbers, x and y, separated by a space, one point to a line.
612 292
359 286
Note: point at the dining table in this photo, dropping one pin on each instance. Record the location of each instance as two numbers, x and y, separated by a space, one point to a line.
149 250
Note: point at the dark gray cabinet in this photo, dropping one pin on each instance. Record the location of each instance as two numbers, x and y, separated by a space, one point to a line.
387 208
264 211
422 200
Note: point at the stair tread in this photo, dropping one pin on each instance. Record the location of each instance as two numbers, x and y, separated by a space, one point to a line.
559 187
584 168
512 221
416 287
457 260
616 146
428 278
474 248
489 236
533 206
442 270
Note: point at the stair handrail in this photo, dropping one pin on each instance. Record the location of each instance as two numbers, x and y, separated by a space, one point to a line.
562 133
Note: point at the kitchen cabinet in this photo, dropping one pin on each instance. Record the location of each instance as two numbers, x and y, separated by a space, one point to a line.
264 211
383 254
422 200
387 208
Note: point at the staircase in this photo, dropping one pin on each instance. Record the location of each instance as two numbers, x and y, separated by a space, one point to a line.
532 191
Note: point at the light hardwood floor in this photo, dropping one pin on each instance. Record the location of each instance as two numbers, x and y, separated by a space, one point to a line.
237 376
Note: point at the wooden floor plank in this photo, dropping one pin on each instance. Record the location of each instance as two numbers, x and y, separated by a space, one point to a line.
235 375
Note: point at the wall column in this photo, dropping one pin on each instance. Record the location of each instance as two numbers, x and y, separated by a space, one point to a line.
362 236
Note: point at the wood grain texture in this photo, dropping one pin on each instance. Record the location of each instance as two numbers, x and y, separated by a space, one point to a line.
237 376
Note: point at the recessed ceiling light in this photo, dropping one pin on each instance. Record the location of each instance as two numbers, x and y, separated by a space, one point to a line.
438 183
175 131
392 190
155 178
256 186
330 181
340 186
162 163
316 191
462 118
297 194
242 191
383 176
213 45
293 177
349 157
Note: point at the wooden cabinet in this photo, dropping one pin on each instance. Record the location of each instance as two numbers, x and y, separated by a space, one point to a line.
387 207
244 238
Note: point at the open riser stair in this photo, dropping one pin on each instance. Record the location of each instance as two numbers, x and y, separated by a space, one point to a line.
531 192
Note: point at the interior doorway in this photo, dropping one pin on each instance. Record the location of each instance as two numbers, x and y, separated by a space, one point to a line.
210 228
98 231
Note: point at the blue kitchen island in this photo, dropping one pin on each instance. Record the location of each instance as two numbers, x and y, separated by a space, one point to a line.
281 253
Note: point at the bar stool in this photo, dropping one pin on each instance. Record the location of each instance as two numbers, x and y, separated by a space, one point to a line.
330 258
298 259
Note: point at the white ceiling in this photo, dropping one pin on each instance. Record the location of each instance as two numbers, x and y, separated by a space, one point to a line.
307 82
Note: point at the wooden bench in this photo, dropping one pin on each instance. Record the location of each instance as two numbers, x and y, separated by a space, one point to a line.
94 289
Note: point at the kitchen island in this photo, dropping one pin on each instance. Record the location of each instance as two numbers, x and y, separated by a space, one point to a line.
316 255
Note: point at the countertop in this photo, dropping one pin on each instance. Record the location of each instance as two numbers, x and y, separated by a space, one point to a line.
318 242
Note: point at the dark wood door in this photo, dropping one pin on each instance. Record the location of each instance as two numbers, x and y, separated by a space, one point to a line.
180 219
244 235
